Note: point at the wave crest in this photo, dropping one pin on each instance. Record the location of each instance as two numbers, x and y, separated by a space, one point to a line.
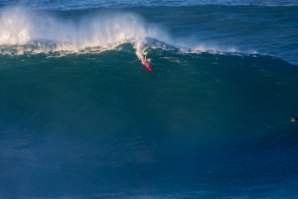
27 31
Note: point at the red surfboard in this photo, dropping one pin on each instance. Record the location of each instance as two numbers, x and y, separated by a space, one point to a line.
144 61
147 65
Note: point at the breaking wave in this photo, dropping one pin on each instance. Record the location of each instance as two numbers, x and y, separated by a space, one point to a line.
27 31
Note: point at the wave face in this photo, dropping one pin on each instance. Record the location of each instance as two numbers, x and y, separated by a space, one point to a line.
81 117
198 126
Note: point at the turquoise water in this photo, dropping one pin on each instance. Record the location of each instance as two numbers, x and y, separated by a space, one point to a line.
81 118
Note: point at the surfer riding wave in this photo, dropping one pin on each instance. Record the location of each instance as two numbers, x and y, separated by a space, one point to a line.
146 60
143 56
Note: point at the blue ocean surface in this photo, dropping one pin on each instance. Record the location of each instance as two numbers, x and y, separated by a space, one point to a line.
81 117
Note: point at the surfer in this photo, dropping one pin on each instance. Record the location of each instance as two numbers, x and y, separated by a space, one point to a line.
294 119
145 53
146 60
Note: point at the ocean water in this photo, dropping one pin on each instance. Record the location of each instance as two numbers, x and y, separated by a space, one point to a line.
81 117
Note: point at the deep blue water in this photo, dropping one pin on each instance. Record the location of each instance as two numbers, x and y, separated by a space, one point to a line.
80 117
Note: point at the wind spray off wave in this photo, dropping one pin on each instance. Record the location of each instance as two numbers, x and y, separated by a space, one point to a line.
22 31
27 31
211 30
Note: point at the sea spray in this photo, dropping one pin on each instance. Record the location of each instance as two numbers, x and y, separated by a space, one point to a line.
24 30
44 32
28 31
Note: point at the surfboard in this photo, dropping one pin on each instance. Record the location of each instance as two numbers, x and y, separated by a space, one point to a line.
145 62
